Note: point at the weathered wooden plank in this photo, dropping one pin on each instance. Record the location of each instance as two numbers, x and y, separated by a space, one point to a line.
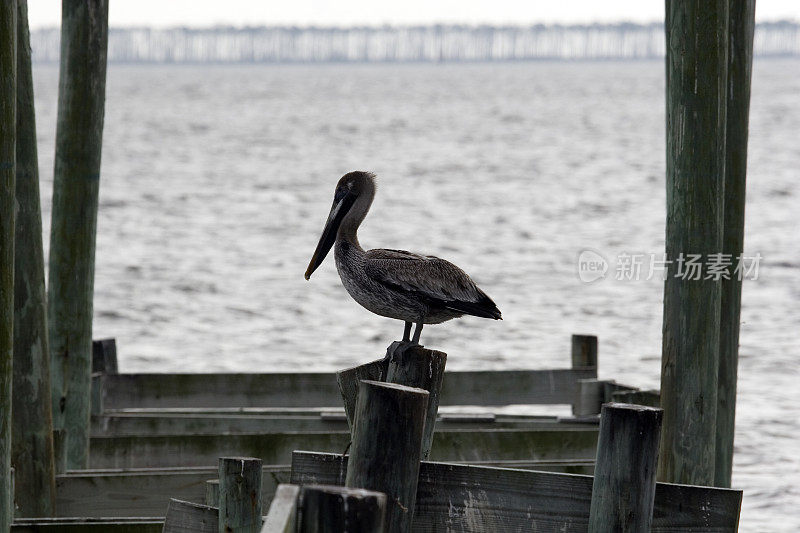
144 492
188 517
170 423
696 67
478 499
8 134
625 473
32 422
334 509
503 387
276 448
88 525
282 515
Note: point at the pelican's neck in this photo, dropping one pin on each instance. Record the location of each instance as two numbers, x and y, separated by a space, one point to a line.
348 231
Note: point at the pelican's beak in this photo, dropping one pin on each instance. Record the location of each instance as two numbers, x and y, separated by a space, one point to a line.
342 203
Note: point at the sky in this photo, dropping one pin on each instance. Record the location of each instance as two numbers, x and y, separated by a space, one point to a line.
204 13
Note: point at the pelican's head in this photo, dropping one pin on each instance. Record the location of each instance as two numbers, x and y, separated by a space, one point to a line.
351 201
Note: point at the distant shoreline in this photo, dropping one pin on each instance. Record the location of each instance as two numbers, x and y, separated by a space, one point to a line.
399 44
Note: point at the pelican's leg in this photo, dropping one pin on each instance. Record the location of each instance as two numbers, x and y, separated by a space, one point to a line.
407 332
417 332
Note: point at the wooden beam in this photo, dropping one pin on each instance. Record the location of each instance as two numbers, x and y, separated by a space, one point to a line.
32 421
697 43
740 70
79 129
471 498
292 389
624 483
88 525
8 134
276 448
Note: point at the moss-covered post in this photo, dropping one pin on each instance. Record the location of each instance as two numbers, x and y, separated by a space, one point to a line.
740 68
696 65
8 135
32 425
79 128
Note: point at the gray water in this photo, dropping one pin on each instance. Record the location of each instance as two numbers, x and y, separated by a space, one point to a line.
216 182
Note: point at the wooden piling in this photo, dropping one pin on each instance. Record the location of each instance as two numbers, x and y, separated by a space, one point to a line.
32 423
584 351
79 128
387 447
697 42
212 492
8 135
333 509
239 495
624 486
423 369
740 68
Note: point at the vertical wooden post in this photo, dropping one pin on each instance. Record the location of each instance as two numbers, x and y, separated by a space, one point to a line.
387 447
239 495
81 102
282 515
697 42
424 369
624 485
212 492
584 354
104 356
32 424
8 135
584 351
349 380
740 68
332 509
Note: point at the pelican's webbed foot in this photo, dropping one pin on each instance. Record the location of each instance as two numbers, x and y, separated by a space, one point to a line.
397 349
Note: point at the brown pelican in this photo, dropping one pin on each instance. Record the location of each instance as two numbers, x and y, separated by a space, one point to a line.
415 288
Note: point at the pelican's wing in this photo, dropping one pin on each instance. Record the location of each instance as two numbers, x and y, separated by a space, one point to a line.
430 278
